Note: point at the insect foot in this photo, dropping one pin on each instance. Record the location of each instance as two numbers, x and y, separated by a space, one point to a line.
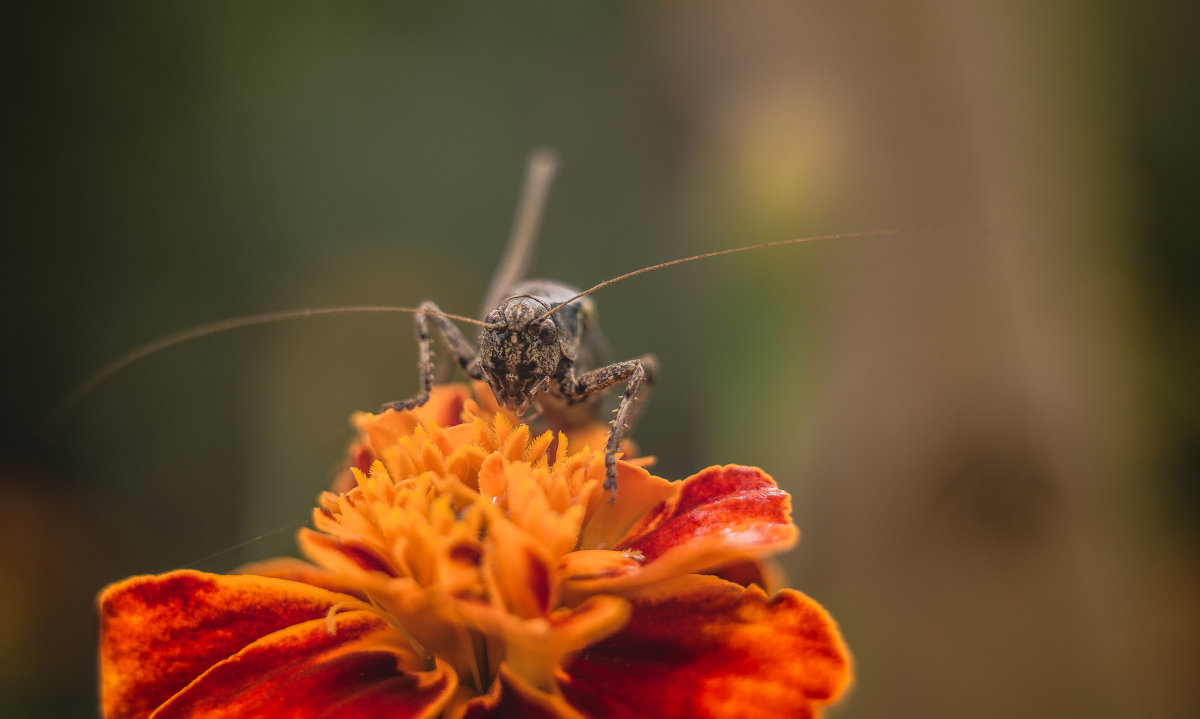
402 405
638 374
460 347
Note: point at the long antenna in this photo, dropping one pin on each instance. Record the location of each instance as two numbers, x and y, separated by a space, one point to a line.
518 253
72 400
747 248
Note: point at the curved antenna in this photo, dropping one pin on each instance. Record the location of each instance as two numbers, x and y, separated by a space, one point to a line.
195 564
71 401
747 248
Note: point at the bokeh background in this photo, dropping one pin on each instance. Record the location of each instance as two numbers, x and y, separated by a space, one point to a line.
992 437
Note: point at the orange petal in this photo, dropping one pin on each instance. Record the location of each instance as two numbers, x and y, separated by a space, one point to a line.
520 570
536 647
344 556
306 671
589 565
766 573
698 646
639 492
361 458
512 698
158 633
298 570
444 409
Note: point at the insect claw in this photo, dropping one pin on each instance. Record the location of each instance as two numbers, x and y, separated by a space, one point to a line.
610 481
610 475
405 404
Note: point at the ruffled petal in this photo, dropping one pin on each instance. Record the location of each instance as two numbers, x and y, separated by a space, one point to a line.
444 409
159 633
742 504
698 646
512 698
766 573
346 668
638 492
718 516
520 571
344 556
534 648
298 570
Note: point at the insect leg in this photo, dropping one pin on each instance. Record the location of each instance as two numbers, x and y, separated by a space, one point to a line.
643 370
459 347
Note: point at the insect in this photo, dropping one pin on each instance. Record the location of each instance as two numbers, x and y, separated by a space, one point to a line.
539 344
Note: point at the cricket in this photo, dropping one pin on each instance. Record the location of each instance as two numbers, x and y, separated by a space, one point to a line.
539 344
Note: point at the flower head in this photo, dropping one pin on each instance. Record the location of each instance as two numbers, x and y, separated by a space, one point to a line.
470 568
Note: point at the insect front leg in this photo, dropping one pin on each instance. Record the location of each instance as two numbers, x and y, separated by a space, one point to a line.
643 370
455 340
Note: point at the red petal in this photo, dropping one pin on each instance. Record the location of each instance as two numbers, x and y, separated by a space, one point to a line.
741 504
304 671
765 573
159 633
511 698
719 516
702 647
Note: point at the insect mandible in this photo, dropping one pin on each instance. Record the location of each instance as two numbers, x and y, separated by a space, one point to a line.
538 346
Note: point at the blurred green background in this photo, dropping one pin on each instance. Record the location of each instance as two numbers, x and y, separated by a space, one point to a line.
992 438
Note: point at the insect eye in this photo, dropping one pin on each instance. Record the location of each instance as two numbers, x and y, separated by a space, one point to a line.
546 330
493 317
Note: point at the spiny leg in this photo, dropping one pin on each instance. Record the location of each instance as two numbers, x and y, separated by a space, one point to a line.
637 371
455 340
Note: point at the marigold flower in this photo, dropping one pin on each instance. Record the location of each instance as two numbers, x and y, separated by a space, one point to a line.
469 569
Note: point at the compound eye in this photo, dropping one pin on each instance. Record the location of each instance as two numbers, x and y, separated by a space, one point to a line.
493 317
546 330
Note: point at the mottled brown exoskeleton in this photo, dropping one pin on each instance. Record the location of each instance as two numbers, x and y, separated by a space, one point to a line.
540 347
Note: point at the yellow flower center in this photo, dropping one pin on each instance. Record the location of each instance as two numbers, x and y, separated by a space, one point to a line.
457 536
